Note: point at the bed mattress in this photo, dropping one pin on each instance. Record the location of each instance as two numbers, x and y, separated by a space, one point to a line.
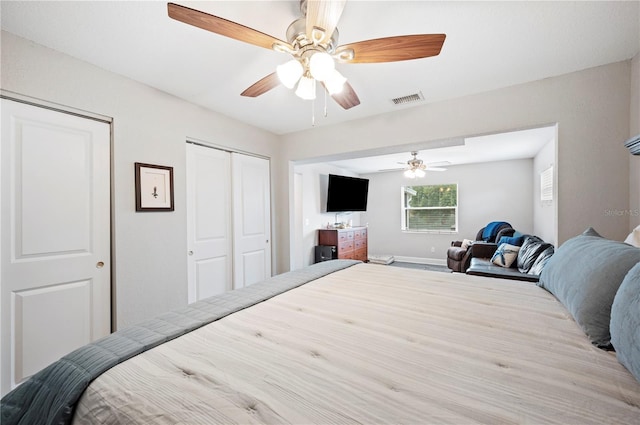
375 344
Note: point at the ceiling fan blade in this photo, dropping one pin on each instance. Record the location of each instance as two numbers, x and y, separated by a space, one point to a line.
392 49
323 15
435 169
223 27
261 87
347 98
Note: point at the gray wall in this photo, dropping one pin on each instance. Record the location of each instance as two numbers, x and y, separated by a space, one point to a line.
486 192
150 265
591 108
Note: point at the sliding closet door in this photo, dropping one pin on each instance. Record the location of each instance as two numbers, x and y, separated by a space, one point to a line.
209 259
55 228
251 219
228 221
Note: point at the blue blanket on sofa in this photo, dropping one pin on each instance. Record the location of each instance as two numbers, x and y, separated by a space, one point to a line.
491 230
50 396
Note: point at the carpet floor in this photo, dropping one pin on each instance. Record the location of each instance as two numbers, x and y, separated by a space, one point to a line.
432 267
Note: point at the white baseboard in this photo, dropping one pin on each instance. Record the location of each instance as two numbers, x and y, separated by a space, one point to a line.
420 260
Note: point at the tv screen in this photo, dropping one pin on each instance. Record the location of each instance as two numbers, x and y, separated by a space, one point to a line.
346 194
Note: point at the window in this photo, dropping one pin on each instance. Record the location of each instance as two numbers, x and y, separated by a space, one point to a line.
546 185
430 208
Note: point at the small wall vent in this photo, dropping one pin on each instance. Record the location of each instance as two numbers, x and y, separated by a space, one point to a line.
416 97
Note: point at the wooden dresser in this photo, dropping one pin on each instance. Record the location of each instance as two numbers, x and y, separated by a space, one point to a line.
351 243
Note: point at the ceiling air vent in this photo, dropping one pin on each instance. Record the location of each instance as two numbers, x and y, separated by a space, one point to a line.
416 97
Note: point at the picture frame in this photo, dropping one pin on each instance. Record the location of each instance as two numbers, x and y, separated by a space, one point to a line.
154 187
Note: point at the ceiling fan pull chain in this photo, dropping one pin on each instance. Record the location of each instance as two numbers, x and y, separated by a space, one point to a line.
313 113
325 104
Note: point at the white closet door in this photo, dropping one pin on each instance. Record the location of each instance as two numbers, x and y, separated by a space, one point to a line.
210 253
55 227
251 219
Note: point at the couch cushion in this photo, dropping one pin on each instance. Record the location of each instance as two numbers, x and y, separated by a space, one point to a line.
625 322
484 267
584 275
505 255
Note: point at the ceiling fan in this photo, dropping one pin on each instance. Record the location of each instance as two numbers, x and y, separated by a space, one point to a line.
416 167
312 41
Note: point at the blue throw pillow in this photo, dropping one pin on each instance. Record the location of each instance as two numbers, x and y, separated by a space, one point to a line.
511 240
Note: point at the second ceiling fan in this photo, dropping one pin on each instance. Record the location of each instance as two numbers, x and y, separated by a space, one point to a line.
312 41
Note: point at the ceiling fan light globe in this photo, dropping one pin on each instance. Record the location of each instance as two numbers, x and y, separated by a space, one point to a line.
306 88
419 173
335 82
289 73
409 174
321 66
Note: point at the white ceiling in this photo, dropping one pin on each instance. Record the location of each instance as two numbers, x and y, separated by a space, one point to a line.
486 148
489 45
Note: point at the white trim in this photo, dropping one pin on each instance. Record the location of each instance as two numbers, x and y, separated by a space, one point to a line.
224 148
6 94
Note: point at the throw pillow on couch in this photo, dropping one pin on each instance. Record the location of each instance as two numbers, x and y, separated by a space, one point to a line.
530 254
505 255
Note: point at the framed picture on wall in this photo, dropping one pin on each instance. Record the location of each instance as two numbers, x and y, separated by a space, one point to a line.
154 187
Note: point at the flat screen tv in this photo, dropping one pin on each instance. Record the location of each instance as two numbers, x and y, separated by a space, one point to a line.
347 194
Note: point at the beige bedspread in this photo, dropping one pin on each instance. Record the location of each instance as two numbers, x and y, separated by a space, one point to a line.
375 344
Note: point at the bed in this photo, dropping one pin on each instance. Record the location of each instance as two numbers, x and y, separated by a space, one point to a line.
346 342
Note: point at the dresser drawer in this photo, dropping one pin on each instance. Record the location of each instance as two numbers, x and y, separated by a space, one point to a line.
360 233
345 247
348 256
360 254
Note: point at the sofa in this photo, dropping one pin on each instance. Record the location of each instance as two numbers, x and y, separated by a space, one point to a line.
519 257
460 253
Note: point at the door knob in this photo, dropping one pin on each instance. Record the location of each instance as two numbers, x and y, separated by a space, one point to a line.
190 252
99 264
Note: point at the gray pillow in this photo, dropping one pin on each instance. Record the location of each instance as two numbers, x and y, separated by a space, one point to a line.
584 274
625 322
591 232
